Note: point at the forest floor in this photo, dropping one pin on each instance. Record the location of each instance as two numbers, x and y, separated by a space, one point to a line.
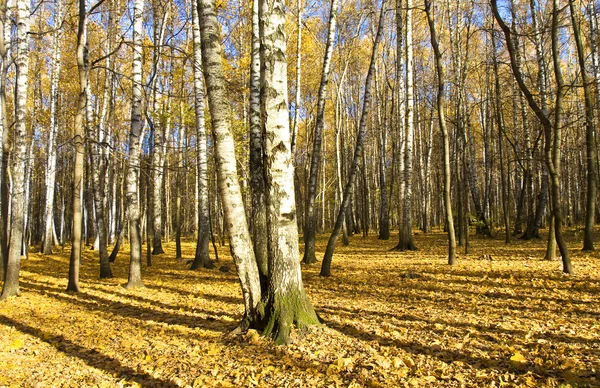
391 319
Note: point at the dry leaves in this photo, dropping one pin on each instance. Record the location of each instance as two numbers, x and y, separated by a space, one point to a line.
392 319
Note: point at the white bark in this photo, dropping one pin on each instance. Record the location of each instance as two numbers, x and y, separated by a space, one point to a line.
11 282
227 176
135 135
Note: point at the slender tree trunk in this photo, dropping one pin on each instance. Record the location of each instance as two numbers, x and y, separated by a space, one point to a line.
500 125
229 187
588 236
202 258
361 133
47 240
133 168
441 107
257 174
406 239
79 142
310 229
159 131
5 27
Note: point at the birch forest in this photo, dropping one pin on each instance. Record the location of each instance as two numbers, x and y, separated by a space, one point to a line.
343 193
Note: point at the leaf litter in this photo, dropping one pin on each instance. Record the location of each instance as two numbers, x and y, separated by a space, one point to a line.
401 319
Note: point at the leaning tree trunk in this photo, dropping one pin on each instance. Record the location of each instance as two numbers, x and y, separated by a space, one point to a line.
441 108
310 229
257 176
588 236
362 130
202 258
48 238
286 302
11 280
79 142
133 169
552 132
229 187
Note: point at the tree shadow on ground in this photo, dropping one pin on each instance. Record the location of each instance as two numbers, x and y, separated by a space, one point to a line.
97 303
91 357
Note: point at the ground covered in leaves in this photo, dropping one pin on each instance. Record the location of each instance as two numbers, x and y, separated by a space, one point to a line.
501 317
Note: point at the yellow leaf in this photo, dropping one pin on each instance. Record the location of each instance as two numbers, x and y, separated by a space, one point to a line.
518 357
16 344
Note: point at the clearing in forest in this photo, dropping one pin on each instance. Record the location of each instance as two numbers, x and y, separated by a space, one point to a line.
501 317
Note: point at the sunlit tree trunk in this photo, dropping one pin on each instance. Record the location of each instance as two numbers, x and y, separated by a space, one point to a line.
229 187
310 229
202 258
19 153
286 302
133 168
48 238
406 239
361 133
441 107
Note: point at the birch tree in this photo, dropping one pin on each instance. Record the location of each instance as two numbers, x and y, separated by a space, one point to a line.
362 130
286 302
49 232
227 177
19 153
310 229
133 168
201 258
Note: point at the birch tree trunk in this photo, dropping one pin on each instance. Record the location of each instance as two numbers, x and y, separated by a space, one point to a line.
286 302
257 174
361 133
78 140
202 258
11 280
310 229
4 40
229 187
406 240
48 238
159 130
133 168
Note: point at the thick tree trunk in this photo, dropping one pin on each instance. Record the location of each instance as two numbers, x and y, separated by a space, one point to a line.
362 129
229 187
310 229
202 258
133 169
441 107
285 303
